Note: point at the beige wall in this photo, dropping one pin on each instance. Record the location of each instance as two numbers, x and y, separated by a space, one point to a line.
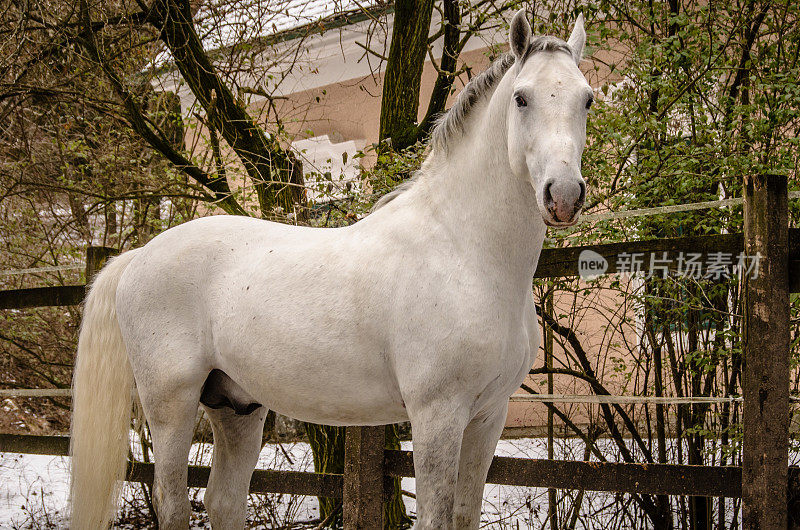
351 110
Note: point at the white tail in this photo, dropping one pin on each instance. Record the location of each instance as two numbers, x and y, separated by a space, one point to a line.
101 405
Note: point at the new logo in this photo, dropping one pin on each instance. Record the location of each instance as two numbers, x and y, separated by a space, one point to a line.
591 265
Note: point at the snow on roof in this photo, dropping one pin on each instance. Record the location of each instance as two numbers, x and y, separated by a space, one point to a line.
222 24
265 16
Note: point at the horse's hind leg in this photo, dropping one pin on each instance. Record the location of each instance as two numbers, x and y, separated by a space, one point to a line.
238 423
169 403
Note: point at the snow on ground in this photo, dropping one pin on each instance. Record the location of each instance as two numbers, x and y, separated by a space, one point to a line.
33 489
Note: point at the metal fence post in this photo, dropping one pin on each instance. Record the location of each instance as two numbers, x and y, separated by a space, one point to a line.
363 478
766 355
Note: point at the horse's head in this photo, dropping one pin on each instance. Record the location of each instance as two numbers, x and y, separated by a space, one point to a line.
547 119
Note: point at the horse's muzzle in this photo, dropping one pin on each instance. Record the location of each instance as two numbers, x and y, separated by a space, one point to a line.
563 199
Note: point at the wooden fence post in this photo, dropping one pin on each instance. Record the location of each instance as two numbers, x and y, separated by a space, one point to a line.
363 478
766 355
96 257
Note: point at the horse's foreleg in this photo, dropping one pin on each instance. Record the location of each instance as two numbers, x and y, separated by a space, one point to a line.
437 431
477 449
237 444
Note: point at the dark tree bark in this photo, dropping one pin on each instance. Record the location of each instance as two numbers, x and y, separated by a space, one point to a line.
394 510
327 446
269 166
401 83
407 54
447 67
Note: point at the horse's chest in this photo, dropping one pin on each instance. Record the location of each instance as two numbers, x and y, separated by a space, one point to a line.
502 373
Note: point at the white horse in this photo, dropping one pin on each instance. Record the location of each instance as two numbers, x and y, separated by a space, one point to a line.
423 311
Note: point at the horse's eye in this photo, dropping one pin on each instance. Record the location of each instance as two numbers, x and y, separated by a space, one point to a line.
589 102
520 101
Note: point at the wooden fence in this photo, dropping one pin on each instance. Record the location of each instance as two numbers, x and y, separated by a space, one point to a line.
762 482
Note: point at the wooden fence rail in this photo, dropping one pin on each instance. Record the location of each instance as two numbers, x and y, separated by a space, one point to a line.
651 479
61 295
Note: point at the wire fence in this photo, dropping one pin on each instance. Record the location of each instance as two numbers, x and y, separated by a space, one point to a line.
516 398
35 392
38 270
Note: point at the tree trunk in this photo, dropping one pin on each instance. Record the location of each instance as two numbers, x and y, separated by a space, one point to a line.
447 67
401 83
394 510
327 445
267 164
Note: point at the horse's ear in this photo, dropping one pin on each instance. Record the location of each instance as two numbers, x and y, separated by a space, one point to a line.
519 36
577 40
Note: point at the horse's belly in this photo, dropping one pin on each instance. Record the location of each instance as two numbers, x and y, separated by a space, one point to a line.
317 397
338 385
332 409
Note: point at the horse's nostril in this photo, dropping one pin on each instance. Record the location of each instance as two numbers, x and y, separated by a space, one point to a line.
549 202
548 197
581 198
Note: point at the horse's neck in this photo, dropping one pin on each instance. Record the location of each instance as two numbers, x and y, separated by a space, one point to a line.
482 200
